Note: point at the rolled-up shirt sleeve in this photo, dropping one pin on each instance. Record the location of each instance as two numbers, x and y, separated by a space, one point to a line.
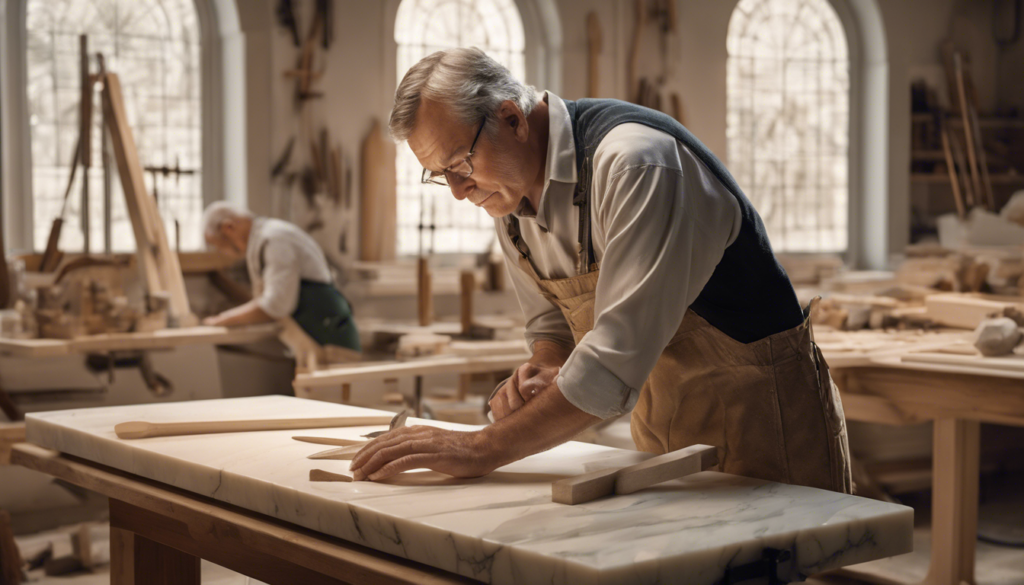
664 232
281 279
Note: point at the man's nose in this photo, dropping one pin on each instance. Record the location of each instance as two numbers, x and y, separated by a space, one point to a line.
462 189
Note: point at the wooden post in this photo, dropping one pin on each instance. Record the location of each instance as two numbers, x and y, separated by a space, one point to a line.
424 296
10 557
954 501
467 284
85 131
135 560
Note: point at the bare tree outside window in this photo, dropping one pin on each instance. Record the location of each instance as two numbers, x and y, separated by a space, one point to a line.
788 119
153 46
421 28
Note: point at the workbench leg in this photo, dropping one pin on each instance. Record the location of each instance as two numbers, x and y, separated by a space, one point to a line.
135 560
957 449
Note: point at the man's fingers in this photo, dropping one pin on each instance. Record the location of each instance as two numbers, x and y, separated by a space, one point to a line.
386 440
391 453
515 399
414 461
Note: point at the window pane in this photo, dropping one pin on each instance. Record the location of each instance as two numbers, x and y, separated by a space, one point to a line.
788 119
153 46
421 28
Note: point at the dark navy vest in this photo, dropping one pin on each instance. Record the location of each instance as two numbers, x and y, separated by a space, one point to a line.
749 296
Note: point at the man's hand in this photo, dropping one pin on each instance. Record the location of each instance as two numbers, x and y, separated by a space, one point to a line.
214 320
526 382
246 314
529 379
460 454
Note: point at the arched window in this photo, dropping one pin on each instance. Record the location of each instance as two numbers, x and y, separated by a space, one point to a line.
788 120
153 46
422 27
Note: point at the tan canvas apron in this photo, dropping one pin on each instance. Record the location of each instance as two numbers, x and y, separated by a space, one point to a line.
770 407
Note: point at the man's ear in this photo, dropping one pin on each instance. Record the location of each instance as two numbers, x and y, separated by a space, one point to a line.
509 113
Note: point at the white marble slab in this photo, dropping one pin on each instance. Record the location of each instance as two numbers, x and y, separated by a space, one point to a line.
502 528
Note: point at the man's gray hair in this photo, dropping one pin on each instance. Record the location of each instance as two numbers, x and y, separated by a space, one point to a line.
217 213
466 80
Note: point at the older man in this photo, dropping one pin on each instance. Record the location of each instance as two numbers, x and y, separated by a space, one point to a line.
646 277
288 272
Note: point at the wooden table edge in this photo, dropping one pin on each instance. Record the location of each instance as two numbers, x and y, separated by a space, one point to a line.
210 524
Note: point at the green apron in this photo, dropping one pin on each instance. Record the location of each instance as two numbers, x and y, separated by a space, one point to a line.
325 315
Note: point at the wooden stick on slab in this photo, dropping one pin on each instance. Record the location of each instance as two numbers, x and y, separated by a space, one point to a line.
626 480
331 441
142 429
321 475
338 453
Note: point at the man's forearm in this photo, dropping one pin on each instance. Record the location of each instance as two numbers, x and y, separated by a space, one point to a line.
542 423
245 314
549 353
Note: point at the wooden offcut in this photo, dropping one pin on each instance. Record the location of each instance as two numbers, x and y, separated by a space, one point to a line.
159 264
339 453
424 292
967 311
627 480
322 475
467 284
330 441
378 203
143 429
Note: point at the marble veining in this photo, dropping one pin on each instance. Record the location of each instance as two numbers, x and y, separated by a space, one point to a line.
502 528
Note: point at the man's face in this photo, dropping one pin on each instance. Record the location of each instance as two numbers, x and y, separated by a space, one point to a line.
226 240
498 182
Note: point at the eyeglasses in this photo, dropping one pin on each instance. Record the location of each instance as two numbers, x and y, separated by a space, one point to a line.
457 172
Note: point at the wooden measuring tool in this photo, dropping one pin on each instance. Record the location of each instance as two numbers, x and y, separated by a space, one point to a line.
142 429
626 480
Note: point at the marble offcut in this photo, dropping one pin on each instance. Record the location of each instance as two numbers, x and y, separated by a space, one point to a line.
502 528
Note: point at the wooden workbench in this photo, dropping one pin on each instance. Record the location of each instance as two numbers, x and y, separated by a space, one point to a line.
155 340
202 495
880 385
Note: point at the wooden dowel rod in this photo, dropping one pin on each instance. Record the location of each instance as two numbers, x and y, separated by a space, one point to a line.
142 429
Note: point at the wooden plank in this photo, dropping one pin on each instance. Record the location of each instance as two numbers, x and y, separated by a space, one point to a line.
923 394
627 480
1012 364
966 311
160 265
424 292
422 367
145 429
202 262
250 543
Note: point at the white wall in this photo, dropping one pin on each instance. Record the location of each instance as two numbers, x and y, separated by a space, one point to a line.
359 82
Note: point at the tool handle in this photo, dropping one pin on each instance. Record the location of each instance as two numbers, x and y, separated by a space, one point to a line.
142 429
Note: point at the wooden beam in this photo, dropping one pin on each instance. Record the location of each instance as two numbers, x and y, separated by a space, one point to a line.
231 536
160 266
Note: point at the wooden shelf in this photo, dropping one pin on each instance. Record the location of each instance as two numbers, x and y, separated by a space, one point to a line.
984 121
999 179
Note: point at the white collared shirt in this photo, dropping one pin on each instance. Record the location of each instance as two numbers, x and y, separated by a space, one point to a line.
289 256
660 223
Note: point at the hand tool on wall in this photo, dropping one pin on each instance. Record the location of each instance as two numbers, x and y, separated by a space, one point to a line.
626 480
143 429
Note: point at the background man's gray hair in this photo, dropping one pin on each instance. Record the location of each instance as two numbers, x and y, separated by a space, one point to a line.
217 213
469 82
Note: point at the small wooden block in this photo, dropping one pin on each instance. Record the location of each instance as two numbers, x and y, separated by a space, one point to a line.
672 465
584 488
626 480
321 475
